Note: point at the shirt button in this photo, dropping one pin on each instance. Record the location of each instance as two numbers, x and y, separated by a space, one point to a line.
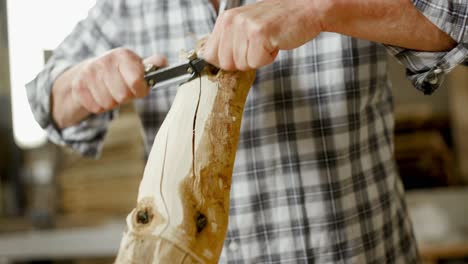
434 76
233 246
437 70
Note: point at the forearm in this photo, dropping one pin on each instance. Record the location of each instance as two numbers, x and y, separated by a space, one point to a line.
393 22
65 110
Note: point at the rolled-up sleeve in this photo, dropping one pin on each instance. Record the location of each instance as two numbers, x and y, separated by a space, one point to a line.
96 34
426 70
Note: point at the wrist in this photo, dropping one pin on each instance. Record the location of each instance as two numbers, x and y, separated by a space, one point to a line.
65 110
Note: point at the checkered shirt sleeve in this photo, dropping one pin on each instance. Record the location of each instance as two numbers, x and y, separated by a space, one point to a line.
96 34
426 70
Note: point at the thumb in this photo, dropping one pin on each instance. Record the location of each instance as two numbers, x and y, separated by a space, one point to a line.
156 60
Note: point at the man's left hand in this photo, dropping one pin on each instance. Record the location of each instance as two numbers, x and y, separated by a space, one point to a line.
251 36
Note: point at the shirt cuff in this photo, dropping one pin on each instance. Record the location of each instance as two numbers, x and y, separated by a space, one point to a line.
450 16
426 70
87 137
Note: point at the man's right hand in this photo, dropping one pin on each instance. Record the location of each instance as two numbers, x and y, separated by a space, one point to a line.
100 84
112 79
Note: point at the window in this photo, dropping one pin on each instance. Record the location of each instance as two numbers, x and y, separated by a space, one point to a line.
33 28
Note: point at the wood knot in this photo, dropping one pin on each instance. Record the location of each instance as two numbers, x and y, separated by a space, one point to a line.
146 215
143 216
212 69
201 221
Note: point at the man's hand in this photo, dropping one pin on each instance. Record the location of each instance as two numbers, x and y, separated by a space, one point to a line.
250 36
112 79
99 85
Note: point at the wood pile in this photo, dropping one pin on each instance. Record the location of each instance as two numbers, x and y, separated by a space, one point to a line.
458 99
95 261
107 186
423 159
422 150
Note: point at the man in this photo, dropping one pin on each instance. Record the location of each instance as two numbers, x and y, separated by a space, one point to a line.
315 178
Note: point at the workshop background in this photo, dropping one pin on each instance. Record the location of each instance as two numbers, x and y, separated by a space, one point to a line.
56 207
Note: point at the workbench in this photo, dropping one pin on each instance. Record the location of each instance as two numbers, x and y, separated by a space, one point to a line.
72 243
440 218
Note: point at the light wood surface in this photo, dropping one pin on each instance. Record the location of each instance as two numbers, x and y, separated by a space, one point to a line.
183 201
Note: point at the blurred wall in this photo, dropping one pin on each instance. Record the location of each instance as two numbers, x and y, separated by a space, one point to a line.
5 109
4 60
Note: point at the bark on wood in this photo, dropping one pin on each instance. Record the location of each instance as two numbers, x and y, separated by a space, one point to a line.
183 201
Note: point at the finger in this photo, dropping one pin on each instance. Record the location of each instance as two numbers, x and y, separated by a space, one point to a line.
133 72
225 51
156 60
83 97
258 53
210 52
100 93
241 50
226 45
117 86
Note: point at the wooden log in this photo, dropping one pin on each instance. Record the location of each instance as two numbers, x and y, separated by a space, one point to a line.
183 202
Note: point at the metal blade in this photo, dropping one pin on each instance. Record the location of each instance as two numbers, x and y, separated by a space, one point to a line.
169 76
172 82
161 78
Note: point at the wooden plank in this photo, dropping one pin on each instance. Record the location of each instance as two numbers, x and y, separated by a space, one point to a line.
424 159
95 261
419 116
98 241
458 97
109 185
15 224
445 252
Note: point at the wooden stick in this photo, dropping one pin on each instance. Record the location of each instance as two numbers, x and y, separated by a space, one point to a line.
183 202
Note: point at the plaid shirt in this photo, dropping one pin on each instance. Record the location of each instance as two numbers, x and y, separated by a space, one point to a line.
315 178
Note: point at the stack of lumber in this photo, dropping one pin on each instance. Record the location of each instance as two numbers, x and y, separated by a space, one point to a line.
423 159
95 261
423 156
108 186
458 98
